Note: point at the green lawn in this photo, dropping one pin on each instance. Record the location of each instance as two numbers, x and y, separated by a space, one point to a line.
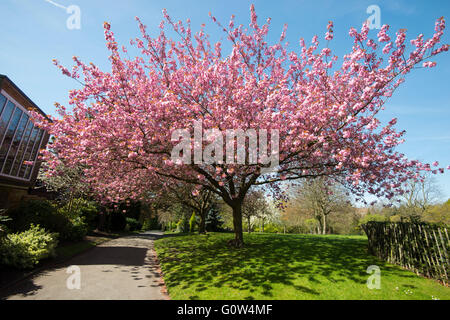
273 266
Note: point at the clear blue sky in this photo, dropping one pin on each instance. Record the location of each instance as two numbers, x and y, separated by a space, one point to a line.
33 32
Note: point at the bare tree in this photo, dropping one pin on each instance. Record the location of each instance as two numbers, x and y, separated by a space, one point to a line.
419 197
319 198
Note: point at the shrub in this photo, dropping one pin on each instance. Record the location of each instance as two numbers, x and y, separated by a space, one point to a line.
269 228
395 218
45 214
24 250
151 224
192 223
133 224
76 230
181 225
82 208
371 217
35 212
3 220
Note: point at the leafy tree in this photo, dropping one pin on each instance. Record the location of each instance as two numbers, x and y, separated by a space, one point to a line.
439 213
312 224
123 120
214 221
371 217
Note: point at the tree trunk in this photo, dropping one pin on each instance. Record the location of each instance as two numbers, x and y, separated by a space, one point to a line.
238 241
324 224
202 225
248 224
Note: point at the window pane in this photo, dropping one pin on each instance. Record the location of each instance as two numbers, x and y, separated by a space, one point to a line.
7 140
15 144
2 102
28 151
4 120
23 146
34 154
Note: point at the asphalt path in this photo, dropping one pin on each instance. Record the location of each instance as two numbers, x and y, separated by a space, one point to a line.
120 269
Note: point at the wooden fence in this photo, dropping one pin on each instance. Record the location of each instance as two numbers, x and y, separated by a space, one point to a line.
420 247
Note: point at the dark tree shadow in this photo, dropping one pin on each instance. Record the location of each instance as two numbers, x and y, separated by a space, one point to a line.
265 261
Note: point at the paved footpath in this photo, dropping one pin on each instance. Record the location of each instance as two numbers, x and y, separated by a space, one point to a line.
120 269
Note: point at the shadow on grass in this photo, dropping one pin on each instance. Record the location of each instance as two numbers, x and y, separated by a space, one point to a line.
198 262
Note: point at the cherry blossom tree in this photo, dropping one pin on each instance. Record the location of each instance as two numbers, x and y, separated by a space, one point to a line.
324 108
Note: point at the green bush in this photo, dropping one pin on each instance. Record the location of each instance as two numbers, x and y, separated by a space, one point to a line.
35 212
181 225
76 230
151 224
269 228
81 208
133 224
44 213
24 250
3 220
192 223
371 217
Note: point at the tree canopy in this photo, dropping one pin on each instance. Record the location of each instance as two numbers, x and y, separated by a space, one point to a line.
121 125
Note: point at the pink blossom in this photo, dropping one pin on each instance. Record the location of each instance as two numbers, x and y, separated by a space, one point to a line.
120 124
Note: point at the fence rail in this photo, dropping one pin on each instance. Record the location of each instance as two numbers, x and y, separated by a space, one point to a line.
419 247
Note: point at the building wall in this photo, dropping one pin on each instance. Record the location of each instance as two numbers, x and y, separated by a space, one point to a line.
14 186
11 196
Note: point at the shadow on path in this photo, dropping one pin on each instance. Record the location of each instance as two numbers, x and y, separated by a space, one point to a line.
117 261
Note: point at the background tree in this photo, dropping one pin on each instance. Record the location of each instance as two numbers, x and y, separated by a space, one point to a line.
214 220
168 218
201 201
268 214
254 207
68 182
320 197
420 196
439 213
122 121
344 221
